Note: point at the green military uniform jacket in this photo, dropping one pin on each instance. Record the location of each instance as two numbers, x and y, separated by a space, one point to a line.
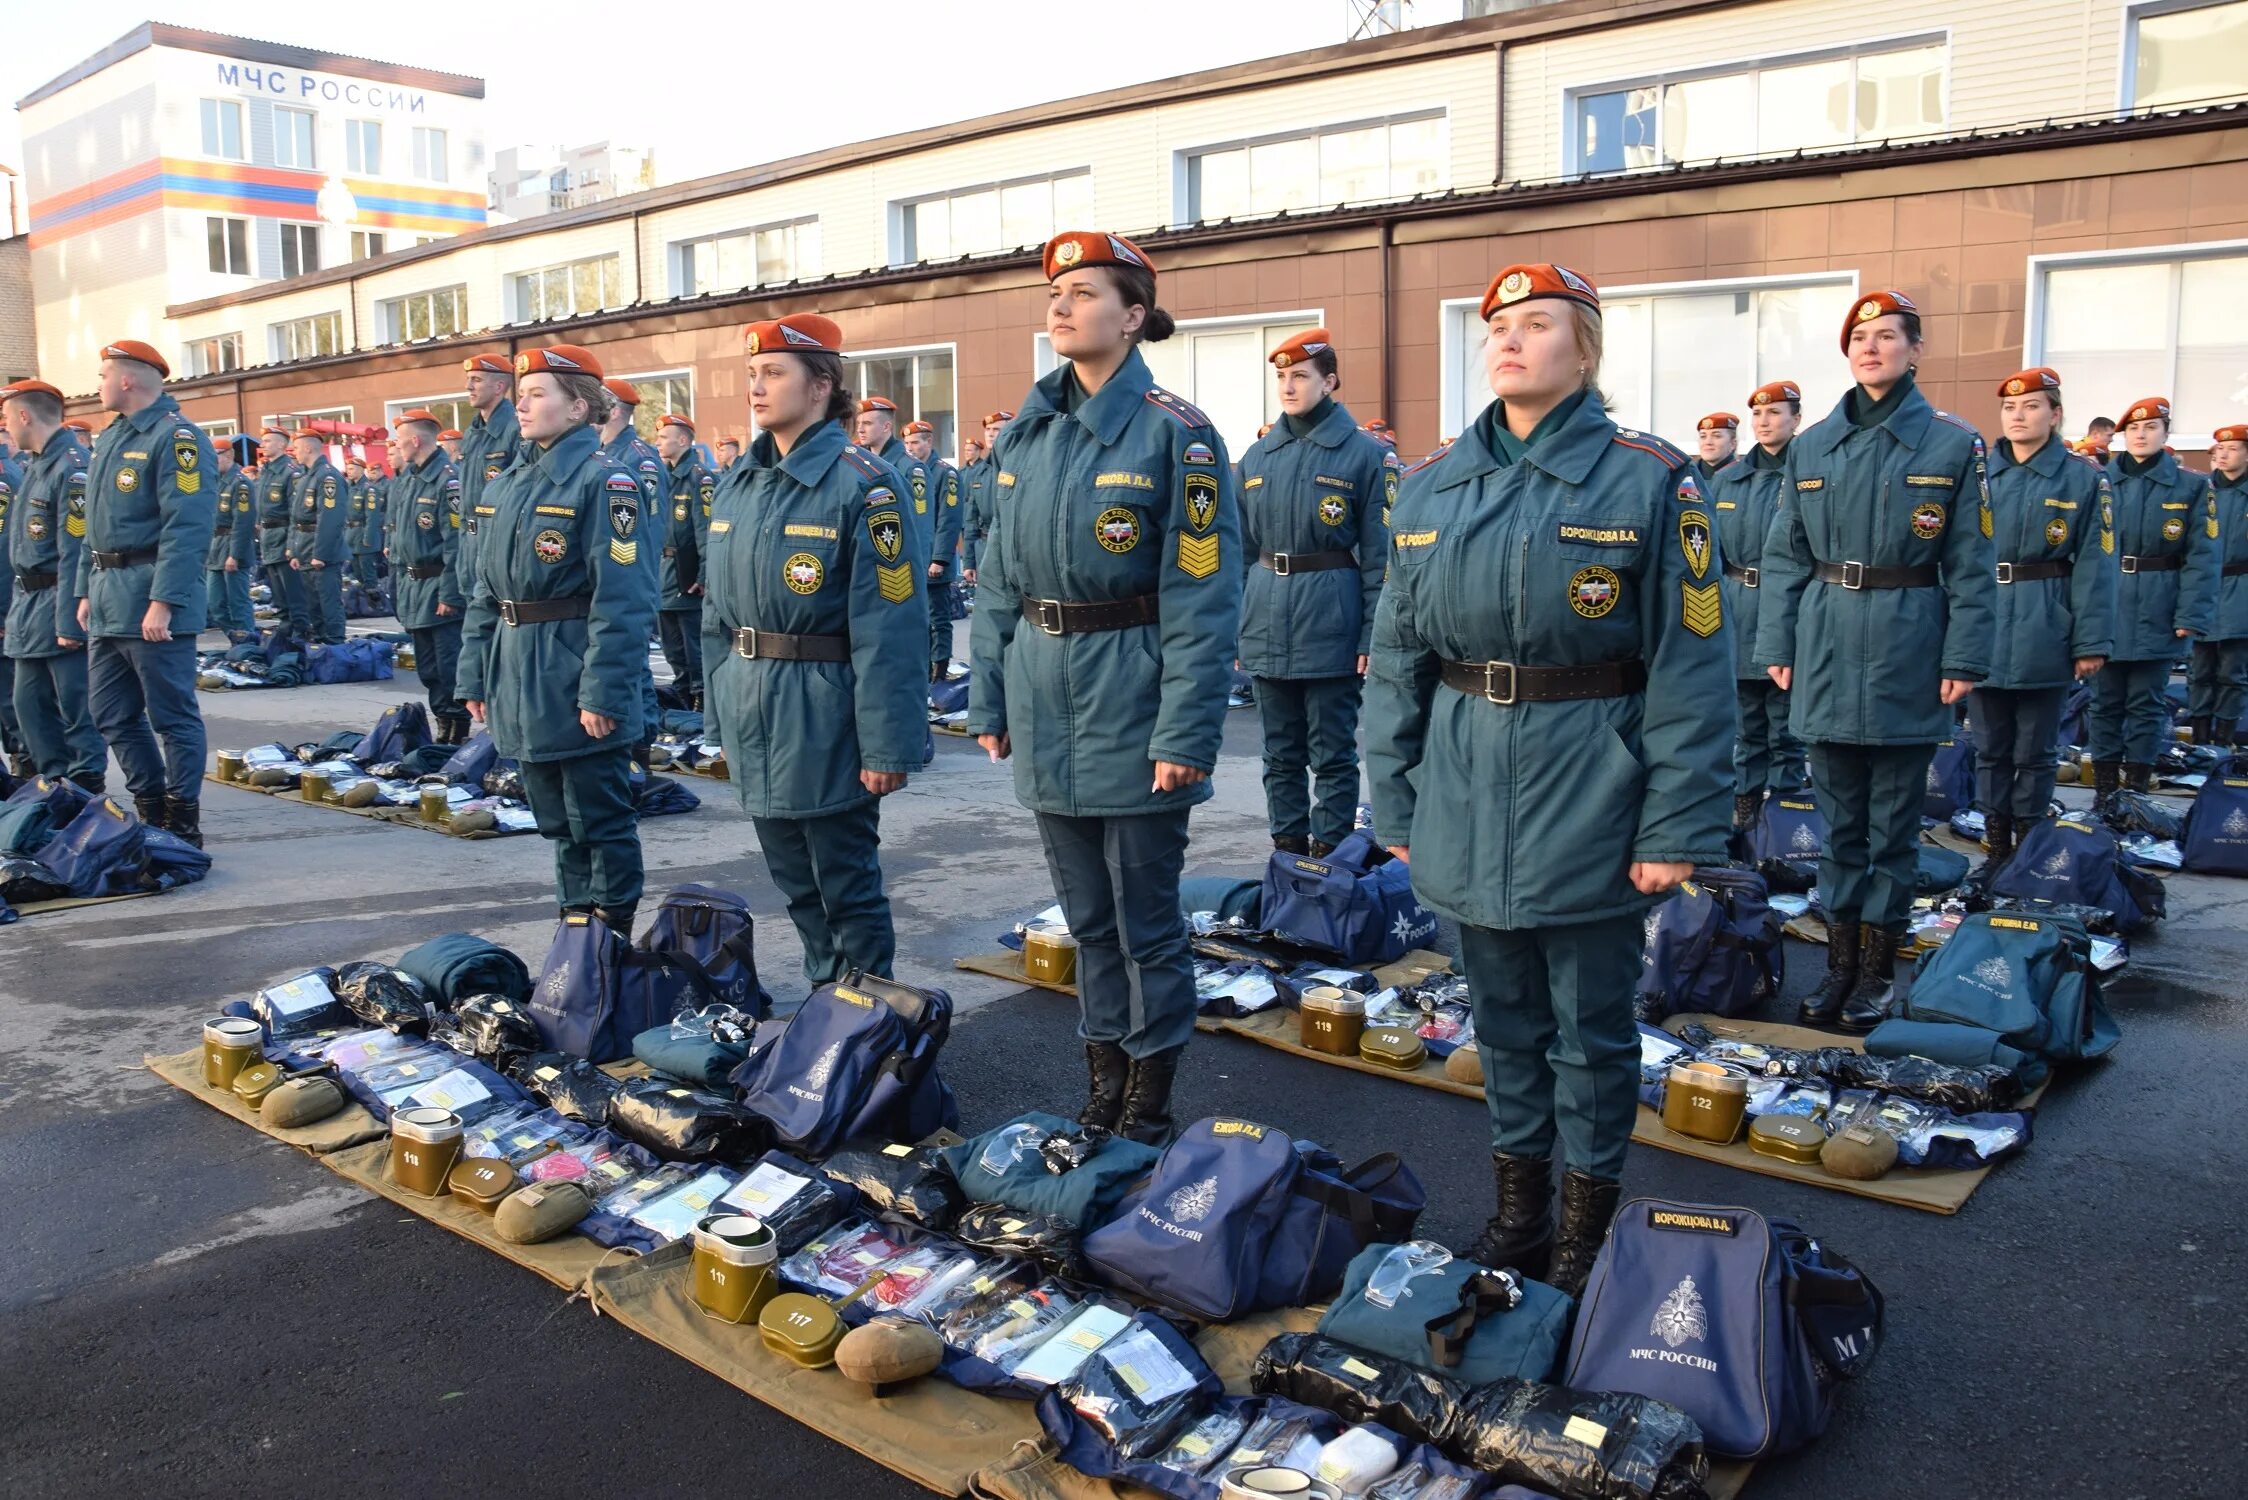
2053 509
152 489
425 532
2166 511
46 532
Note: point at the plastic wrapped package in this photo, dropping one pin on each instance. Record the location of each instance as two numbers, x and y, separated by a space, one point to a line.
1283 1434
386 996
902 1183
923 1275
355 1051
845 1259
495 1029
301 1006
393 1077
519 1138
1138 1392
570 1085
468 1089
1778 1096
684 1124
1963 1091
789 1198
1002 1330
1048 1239
1658 1049
600 1160
629 1197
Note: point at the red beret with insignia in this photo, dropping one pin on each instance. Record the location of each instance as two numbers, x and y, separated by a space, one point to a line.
1303 346
1718 421
1777 390
913 428
1075 249
1879 304
418 414
801 331
997 416
2147 409
2237 433
1524 282
78 424
134 349
449 435
558 359
878 403
623 390
491 364
2029 382
28 388
673 419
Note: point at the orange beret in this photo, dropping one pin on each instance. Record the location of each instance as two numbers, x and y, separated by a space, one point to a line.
1778 390
2147 409
1521 283
1303 346
877 403
1880 304
1377 425
623 390
27 388
2030 381
280 432
558 359
494 364
78 424
418 414
998 416
729 441
134 349
1074 249
1717 420
449 435
912 428
673 419
1264 429
2237 433
805 331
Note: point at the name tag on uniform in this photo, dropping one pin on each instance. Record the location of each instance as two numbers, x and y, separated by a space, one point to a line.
1416 538
487 510
1810 484
1601 536
1340 484
2177 505
1933 481
1006 480
1254 481
799 528
720 528
1122 481
546 510
2060 504
1727 505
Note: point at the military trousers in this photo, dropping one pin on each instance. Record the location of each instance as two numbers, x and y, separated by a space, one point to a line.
437 659
1310 731
1767 757
2017 745
1118 883
2217 682
1553 1023
1870 796
291 604
142 692
940 617
679 629
226 600
584 807
11 728
58 730
2130 716
323 587
830 872
366 568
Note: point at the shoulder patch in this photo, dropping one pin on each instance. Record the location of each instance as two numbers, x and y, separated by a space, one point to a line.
861 460
1185 413
1197 452
622 483
1648 443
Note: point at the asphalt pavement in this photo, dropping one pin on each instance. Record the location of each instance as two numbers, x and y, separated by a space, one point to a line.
195 1309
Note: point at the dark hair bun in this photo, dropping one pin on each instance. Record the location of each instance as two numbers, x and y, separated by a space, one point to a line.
1159 326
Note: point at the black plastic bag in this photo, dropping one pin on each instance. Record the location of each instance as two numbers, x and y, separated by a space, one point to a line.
384 996
495 1028
1049 1240
684 1124
570 1086
505 780
1965 1091
24 880
904 1184
1518 1430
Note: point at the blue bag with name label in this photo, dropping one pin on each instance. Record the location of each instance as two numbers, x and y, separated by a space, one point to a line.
1238 1217
858 1058
1951 780
398 733
713 927
597 992
2065 862
1713 946
2215 841
1357 903
1748 1326
2025 977
1785 840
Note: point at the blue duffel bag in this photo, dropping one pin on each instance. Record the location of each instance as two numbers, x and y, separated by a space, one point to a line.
1454 1319
398 733
1784 842
1238 1217
597 992
99 853
355 660
858 1058
1356 904
2062 861
2215 841
1713 947
1951 780
2027 978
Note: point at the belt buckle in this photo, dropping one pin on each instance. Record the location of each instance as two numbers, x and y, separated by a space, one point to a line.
1853 575
746 636
1283 563
2130 563
1047 615
1491 669
1750 577
2005 572
507 612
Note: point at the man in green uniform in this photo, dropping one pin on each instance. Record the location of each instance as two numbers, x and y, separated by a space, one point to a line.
1767 757
424 540
2219 690
317 550
487 449
944 557
691 486
982 486
47 646
277 480
234 549
11 731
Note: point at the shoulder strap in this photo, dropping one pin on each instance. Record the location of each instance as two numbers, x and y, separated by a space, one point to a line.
1485 1291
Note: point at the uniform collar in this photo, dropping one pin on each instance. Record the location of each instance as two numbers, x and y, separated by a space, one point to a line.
59 447
559 462
2045 462
1907 422
2219 480
1108 411
2162 468
1567 450
429 460
817 448
622 445
150 416
503 415
1330 431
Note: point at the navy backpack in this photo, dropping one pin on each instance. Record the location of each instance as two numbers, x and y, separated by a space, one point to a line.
2025 977
597 992
858 1058
1238 1217
712 927
1785 840
1951 780
2215 841
1356 904
2065 862
99 853
398 733
1747 1325
473 761
1713 946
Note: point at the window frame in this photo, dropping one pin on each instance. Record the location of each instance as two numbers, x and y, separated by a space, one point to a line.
311 132
513 284
900 210
353 144
373 241
1043 360
387 310
241 128
417 158
319 245
233 221
2127 49
680 254
274 336
641 379
196 368
394 408
1749 66
1186 208
2173 256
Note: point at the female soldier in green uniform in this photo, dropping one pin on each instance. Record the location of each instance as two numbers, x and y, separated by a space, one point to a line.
815 638
556 639
1103 642
1549 733
1876 613
1767 757
2219 675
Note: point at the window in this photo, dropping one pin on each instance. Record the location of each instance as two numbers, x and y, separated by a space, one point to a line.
1362 163
429 154
661 394
1809 103
1221 365
1673 352
362 146
425 315
366 244
919 380
229 241
2181 52
219 431
998 216
581 287
222 128
308 338
747 257
292 139
451 412
214 356
2118 326
300 249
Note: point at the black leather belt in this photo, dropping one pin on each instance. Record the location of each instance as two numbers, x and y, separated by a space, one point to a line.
1505 683
1286 563
540 611
772 645
1852 575
2133 564
304 525
1747 578
2235 570
2030 572
29 581
1061 617
425 570
130 559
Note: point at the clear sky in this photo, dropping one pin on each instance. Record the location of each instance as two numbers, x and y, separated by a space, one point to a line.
715 87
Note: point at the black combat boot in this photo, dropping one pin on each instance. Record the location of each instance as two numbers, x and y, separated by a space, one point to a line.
1146 1116
1824 1004
20 767
1746 805
1998 840
1519 1237
1868 1005
151 810
184 819
1320 848
93 781
2138 777
2201 729
1109 1068
618 919
1588 1207
2106 776
1289 843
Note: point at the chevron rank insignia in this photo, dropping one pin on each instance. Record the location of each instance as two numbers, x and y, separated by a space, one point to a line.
187 460
1198 555
896 583
1699 609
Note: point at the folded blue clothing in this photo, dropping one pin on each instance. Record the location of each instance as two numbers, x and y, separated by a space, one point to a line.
1005 1166
460 964
697 1059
